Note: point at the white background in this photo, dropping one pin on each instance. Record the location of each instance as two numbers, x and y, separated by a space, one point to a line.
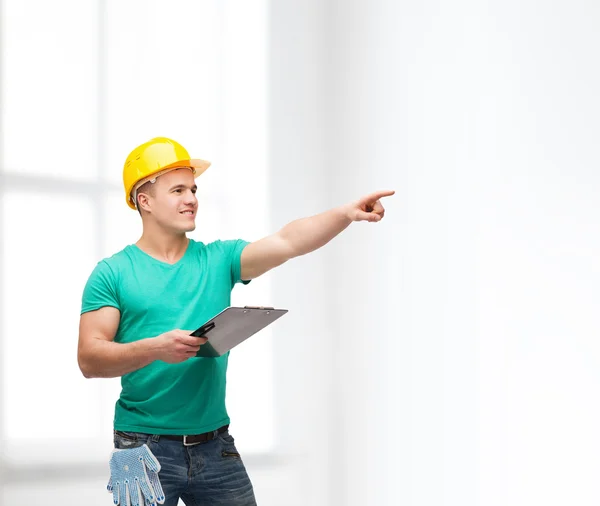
447 355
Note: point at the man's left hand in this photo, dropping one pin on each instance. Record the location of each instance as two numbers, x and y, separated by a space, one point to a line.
368 208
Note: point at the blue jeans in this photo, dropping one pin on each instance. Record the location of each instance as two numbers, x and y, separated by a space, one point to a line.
206 474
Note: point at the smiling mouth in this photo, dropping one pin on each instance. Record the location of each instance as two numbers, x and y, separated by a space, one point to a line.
187 213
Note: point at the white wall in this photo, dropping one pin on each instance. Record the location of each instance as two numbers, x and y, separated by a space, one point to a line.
466 339
299 187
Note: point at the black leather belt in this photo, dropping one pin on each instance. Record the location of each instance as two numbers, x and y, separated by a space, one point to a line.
190 440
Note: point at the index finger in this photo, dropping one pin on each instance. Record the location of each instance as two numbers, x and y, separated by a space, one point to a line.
377 195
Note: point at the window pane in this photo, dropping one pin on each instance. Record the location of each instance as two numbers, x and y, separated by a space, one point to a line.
49 87
49 250
168 85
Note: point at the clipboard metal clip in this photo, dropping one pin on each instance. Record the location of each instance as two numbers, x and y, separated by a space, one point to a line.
204 329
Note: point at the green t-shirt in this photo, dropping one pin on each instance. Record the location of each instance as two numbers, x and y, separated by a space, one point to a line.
155 297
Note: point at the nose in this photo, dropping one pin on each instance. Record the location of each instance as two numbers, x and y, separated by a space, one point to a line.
190 198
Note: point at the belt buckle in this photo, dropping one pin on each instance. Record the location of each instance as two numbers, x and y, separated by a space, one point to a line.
185 443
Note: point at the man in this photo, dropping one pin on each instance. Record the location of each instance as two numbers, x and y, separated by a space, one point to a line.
170 419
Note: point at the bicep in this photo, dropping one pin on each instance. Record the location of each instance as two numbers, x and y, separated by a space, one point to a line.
100 324
263 255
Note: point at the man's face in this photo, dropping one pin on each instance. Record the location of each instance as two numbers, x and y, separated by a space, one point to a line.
174 202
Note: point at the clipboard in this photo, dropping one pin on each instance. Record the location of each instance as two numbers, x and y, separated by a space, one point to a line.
232 326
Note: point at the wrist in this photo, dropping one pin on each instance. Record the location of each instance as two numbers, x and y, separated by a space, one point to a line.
153 348
345 212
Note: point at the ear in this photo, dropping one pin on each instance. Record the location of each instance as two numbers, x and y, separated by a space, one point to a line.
143 202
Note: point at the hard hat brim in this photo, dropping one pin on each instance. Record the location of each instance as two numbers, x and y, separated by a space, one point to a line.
199 165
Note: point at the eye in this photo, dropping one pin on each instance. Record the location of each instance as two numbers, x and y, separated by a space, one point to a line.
194 191
178 190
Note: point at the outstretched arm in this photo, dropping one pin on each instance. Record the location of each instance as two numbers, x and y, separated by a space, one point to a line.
308 234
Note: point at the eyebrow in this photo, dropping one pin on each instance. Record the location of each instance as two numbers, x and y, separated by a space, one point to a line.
195 187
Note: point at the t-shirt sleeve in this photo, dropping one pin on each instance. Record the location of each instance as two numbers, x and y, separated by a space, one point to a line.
234 249
100 289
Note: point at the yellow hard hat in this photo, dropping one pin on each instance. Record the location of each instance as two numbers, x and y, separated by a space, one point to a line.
153 158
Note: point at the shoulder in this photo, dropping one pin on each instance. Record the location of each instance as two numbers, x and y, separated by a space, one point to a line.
101 288
112 265
227 246
227 251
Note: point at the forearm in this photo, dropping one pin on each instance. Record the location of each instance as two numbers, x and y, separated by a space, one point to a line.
107 359
308 234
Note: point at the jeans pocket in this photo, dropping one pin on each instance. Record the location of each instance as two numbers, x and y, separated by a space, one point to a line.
132 436
228 449
124 440
231 455
227 438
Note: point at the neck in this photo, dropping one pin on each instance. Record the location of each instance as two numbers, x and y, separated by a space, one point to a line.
165 246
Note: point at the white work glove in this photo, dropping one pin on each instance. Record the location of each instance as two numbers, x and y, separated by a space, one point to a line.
134 477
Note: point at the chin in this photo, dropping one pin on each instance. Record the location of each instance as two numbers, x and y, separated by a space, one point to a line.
181 228
189 228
